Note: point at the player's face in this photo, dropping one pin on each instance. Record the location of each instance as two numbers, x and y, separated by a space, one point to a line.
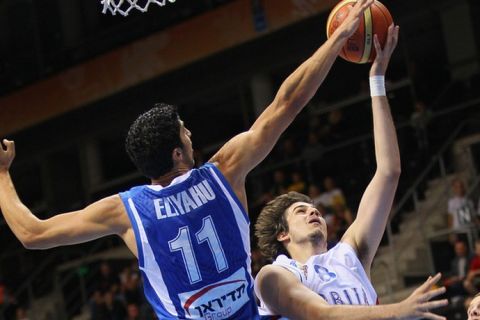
304 222
474 309
185 137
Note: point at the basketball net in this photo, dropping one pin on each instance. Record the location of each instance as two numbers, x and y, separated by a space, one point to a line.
124 6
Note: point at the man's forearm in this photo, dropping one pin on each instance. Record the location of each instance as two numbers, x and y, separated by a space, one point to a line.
386 145
302 84
18 217
342 312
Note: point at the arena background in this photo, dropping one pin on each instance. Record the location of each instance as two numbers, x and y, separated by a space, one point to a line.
72 80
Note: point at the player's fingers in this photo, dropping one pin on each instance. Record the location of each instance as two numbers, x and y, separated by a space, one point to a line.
361 5
433 293
10 145
430 282
12 148
367 4
435 279
6 144
429 315
378 47
389 42
395 33
434 304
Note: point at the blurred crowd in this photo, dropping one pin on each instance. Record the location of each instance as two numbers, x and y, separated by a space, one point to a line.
9 305
462 278
119 295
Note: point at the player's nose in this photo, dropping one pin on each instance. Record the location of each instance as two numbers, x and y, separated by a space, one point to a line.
313 211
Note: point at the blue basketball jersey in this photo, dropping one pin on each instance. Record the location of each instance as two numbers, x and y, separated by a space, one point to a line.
193 247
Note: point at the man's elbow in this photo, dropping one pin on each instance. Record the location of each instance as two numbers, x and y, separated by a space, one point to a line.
28 243
391 172
32 242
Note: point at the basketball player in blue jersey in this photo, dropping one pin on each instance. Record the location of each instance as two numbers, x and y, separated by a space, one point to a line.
189 228
308 282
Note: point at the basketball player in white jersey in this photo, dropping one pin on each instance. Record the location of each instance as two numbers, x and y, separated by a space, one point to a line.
308 282
189 227
473 310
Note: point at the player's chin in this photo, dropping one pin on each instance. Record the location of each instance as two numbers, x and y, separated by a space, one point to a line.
318 234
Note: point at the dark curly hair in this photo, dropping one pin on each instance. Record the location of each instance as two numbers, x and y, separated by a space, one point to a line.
272 221
152 138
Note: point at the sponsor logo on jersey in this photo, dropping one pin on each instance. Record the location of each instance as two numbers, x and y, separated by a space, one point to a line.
324 274
184 202
218 300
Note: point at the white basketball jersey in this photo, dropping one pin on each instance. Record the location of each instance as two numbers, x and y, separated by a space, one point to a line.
336 275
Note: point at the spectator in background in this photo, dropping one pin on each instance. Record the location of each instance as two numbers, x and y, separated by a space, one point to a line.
472 281
315 194
289 149
133 311
314 119
8 304
280 183
21 314
313 149
115 309
419 121
132 290
106 278
262 200
332 194
334 129
258 261
478 208
298 184
98 310
3 296
343 218
458 271
461 211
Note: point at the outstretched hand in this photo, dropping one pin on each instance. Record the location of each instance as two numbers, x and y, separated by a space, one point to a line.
380 64
350 25
7 154
418 304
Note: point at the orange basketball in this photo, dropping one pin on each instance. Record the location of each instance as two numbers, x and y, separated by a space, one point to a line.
359 47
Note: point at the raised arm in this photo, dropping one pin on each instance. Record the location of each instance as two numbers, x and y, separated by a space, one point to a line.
101 218
241 154
284 295
365 234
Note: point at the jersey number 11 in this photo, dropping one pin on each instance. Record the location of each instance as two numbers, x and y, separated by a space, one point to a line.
183 244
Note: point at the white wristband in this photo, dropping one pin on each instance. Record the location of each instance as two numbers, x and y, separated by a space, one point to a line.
377 86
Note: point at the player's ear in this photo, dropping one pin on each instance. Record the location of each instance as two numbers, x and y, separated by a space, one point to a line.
283 236
177 154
